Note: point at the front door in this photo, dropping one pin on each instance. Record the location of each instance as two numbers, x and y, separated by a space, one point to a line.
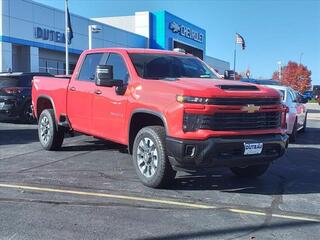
80 93
109 105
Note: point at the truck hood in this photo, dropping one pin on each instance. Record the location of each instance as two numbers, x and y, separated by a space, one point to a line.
200 87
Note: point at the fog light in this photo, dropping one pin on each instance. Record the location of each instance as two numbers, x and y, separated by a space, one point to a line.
190 150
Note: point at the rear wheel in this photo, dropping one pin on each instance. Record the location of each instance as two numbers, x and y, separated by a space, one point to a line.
50 134
250 171
26 115
150 159
293 135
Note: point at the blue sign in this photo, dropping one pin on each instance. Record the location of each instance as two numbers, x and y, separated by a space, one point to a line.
168 29
49 35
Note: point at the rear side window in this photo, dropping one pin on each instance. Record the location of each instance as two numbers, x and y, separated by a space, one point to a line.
88 67
9 82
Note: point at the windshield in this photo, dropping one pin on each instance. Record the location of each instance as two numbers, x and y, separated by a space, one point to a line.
261 81
162 66
268 82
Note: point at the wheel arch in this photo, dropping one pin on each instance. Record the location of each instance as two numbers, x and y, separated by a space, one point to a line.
44 102
141 118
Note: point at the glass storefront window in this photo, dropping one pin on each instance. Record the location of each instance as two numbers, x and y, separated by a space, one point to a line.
54 67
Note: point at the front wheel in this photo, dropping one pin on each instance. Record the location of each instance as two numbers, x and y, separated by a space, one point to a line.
250 171
50 134
150 159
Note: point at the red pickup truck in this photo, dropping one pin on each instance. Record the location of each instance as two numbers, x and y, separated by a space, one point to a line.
169 108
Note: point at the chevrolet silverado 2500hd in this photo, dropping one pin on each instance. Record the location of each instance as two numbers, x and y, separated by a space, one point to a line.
169 108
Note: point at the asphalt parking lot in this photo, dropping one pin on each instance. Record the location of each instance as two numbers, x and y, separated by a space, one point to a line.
89 190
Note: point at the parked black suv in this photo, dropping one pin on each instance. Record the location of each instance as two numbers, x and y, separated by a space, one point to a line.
15 95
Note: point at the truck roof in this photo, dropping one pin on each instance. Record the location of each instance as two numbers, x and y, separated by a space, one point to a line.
136 50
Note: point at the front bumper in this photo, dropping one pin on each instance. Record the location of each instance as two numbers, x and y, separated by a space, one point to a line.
223 152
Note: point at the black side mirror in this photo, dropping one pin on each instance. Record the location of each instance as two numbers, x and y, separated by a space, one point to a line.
104 77
228 74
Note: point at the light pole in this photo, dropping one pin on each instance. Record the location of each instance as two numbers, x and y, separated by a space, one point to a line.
301 54
279 70
92 29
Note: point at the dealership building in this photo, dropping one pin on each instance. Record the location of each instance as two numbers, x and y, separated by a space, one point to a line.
32 36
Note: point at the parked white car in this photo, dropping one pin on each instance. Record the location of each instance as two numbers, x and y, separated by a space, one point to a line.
297 115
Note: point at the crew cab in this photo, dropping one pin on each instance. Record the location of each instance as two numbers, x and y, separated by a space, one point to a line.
169 108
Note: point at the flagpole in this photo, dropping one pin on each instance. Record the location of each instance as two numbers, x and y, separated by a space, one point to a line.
66 36
234 59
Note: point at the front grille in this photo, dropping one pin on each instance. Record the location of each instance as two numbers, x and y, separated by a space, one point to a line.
244 101
241 121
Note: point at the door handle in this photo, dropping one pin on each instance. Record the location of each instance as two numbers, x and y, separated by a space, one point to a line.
72 88
98 92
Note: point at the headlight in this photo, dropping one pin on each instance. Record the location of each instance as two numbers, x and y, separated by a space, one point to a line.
187 99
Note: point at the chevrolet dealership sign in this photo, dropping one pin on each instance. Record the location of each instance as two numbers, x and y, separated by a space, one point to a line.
186 32
49 35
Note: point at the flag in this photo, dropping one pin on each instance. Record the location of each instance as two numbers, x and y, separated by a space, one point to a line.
69 28
240 40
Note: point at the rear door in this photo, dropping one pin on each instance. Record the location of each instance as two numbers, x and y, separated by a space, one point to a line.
109 106
81 91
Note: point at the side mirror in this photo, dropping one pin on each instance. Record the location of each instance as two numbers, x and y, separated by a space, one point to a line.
104 77
228 74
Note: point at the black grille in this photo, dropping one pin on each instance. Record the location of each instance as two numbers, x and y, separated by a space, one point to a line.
241 121
244 101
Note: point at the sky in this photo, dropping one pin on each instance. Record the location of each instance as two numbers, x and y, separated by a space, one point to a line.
274 30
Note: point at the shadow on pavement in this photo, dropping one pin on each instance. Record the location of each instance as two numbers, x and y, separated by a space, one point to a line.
18 122
296 173
96 145
310 136
248 231
18 136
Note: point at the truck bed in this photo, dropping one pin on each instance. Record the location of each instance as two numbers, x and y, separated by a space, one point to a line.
52 88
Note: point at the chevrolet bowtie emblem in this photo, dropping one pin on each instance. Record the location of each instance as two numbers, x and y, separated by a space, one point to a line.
250 108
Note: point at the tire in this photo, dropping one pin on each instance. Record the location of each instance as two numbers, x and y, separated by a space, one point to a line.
150 158
26 115
293 135
50 134
250 171
304 124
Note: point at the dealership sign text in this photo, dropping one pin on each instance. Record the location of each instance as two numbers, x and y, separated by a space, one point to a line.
49 35
186 32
